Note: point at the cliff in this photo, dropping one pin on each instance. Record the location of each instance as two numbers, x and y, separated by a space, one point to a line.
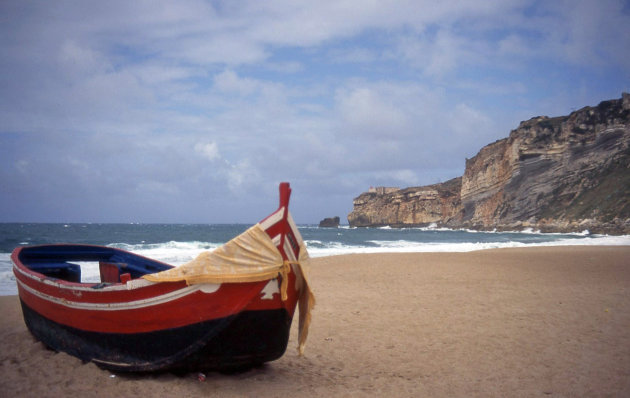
566 173
406 207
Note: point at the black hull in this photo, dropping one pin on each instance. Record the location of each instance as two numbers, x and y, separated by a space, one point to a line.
247 339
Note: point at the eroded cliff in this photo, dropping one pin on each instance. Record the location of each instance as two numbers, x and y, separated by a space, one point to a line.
566 173
406 207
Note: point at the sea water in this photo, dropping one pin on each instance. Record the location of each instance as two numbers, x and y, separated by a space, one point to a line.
177 244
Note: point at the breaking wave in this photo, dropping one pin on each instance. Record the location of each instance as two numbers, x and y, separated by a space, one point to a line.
169 244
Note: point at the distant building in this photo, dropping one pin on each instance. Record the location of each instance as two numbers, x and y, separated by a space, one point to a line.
383 190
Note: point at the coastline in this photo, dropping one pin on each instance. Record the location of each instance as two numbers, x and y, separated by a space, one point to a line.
543 321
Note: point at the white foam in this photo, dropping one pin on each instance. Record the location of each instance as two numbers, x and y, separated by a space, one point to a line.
7 279
174 253
177 253
402 246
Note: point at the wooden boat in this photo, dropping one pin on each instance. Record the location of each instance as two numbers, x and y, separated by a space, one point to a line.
134 321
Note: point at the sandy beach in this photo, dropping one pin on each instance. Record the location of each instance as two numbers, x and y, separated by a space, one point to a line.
530 322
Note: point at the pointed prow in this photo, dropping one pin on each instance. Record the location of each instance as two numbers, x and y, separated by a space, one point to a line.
285 195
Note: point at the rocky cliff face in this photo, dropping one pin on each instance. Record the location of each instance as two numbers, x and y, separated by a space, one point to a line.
405 207
565 173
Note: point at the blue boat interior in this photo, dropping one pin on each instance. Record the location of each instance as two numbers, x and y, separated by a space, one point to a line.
59 262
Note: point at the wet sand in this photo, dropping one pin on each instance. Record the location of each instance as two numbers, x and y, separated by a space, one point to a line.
511 322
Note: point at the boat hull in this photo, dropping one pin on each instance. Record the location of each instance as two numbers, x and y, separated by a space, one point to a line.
218 344
128 322
146 326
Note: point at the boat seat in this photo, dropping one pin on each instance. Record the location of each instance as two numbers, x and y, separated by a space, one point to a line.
126 277
110 272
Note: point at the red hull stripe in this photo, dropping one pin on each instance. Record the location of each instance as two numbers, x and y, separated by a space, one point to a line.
190 308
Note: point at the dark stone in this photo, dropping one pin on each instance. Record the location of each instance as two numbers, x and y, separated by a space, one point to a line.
332 222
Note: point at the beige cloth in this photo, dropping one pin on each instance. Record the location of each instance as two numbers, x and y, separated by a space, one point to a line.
249 257
306 301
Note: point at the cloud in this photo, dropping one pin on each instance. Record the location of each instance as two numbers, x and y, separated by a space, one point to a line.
157 188
210 150
242 174
439 54
228 81
137 106
76 59
367 113
594 34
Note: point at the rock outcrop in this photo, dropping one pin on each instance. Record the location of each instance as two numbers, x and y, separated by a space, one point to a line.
407 207
567 173
331 222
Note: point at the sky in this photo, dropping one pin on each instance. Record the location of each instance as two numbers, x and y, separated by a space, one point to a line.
193 111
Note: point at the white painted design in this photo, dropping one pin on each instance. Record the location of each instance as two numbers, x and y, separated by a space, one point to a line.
270 289
273 219
276 240
296 231
209 287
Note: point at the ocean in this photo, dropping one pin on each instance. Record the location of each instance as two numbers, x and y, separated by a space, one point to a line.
177 244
